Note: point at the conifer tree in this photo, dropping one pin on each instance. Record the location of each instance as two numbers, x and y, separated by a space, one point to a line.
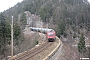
81 45
2 34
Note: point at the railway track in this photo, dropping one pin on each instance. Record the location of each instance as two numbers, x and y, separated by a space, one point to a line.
48 52
42 52
31 53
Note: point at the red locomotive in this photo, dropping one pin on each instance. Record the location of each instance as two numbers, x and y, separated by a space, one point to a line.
51 36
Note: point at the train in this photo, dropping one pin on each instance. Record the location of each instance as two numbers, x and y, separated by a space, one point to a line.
50 33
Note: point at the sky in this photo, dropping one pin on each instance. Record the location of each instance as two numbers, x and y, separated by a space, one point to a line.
6 4
89 0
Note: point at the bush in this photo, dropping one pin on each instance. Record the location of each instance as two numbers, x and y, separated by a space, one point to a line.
36 42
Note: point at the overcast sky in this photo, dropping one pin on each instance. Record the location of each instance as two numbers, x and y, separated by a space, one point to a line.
5 4
89 0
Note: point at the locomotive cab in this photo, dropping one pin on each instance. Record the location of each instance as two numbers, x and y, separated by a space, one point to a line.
51 36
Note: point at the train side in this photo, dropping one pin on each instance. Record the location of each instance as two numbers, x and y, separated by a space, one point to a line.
50 33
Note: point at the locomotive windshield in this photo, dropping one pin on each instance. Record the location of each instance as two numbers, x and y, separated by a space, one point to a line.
50 34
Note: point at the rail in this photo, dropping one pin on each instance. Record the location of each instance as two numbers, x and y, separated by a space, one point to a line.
31 53
53 52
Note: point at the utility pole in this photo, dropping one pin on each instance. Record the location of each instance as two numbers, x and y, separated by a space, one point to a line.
12 38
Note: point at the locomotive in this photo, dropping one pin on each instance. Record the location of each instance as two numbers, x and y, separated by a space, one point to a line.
50 33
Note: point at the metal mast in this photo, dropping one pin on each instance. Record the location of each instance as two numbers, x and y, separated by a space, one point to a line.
12 38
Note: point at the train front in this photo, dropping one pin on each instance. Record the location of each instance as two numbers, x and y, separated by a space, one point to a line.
51 36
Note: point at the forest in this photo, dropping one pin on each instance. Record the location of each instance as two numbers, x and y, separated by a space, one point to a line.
73 15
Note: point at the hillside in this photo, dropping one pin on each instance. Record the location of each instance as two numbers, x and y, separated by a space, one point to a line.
71 13
69 18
